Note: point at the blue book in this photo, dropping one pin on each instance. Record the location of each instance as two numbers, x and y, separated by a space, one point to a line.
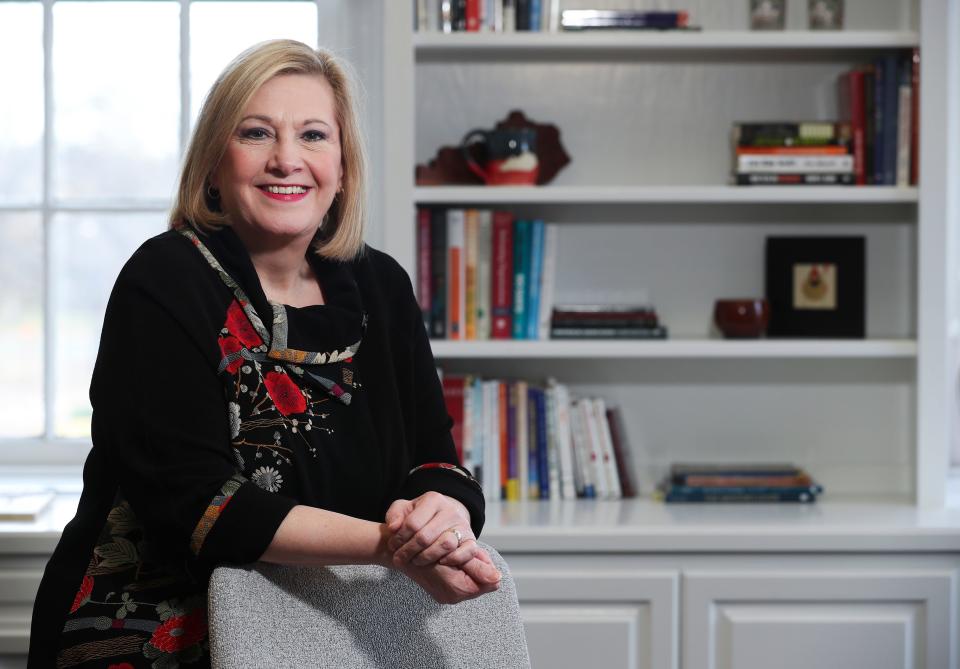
891 116
742 494
535 9
533 279
879 82
533 448
543 458
521 273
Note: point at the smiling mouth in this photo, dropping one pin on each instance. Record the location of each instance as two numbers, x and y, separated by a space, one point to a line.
284 190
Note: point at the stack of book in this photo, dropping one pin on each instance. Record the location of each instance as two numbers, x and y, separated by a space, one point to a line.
523 440
707 482
606 321
793 153
449 16
881 102
482 274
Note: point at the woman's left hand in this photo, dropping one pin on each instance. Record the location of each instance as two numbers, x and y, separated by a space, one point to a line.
420 529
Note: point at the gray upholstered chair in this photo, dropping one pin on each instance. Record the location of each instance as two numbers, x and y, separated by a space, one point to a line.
350 616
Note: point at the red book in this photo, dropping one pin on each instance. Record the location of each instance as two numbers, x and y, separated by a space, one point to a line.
453 398
424 296
473 15
915 119
501 303
853 107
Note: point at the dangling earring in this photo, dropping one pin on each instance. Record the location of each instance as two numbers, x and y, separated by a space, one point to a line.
213 193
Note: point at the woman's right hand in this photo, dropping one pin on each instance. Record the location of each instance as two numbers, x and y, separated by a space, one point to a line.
454 584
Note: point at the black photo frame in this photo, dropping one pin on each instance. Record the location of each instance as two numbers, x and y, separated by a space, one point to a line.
816 287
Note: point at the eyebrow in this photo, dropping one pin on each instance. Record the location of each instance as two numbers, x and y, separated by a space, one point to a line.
267 119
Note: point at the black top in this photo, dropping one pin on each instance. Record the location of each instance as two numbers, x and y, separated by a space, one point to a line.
214 413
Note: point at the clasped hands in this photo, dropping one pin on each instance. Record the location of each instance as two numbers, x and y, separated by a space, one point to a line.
425 549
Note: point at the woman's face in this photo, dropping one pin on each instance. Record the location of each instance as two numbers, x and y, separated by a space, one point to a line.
282 166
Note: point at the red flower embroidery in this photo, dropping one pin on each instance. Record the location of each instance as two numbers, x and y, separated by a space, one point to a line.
228 345
239 326
285 394
83 596
180 632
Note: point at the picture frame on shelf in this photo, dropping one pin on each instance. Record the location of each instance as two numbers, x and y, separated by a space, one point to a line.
768 14
816 286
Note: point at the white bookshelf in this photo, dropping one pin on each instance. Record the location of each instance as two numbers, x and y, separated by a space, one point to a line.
501 195
431 44
674 348
873 418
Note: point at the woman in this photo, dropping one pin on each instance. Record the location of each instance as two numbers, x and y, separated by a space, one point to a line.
264 389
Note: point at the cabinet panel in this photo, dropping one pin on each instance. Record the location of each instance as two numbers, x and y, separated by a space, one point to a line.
18 588
574 617
833 620
576 636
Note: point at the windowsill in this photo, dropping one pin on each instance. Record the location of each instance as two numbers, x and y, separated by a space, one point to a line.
952 500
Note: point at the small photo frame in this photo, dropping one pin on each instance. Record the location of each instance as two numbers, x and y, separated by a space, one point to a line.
816 286
825 14
768 14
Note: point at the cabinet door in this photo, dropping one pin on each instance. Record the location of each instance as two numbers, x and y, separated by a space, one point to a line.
18 588
592 618
834 620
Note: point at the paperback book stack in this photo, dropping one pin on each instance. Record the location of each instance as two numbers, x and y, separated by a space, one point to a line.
523 440
482 274
793 153
738 483
881 102
606 321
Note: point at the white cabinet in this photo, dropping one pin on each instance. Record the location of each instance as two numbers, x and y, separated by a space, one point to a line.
836 620
574 616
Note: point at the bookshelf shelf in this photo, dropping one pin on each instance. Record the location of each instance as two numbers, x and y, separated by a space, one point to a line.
446 44
674 348
663 194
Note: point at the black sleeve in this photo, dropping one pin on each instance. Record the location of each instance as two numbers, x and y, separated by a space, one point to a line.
160 414
435 464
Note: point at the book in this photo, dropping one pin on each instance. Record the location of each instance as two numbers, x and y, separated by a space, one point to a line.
622 452
914 115
582 467
470 415
523 442
533 279
791 133
553 450
25 507
472 15
806 150
456 273
484 279
438 273
802 495
521 272
470 243
679 470
790 164
424 272
606 448
879 82
604 321
853 109
568 488
543 455
904 110
533 444
869 133
513 427
659 332
547 279
522 14
501 299
795 179
503 412
581 19
452 386
891 95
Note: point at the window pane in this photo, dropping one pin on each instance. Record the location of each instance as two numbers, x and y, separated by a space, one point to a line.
21 333
88 252
221 30
116 68
21 116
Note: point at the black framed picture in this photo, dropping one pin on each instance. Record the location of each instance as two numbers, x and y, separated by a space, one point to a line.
816 286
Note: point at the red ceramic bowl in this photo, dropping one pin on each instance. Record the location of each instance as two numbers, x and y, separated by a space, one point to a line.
741 318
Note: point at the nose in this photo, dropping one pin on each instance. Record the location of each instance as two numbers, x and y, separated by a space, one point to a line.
285 158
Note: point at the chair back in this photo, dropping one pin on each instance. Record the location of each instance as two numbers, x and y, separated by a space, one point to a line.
363 616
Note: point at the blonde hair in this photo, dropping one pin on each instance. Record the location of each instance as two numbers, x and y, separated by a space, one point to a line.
341 235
